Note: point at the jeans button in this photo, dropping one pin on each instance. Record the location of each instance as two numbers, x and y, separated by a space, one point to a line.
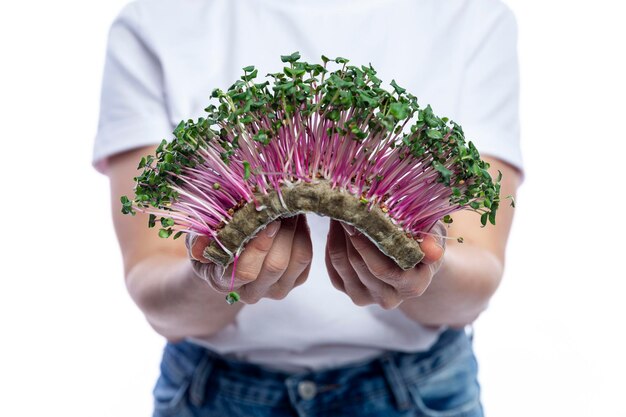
307 389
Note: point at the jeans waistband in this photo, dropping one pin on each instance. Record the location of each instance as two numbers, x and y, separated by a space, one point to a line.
388 373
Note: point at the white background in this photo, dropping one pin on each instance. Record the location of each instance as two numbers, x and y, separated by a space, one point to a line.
551 344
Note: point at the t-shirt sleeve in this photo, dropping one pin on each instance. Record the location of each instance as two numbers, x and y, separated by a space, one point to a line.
133 112
489 103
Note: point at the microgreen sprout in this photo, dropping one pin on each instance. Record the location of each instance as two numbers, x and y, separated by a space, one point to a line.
232 297
311 124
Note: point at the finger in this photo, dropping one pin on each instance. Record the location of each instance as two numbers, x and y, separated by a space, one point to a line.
251 260
434 243
432 249
335 279
389 294
382 293
303 277
274 264
407 284
211 273
195 246
299 259
338 257
282 293
379 264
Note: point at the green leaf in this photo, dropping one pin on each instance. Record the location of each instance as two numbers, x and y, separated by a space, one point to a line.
510 197
179 128
431 120
443 171
127 206
250 76
290 58
293 73
249 68
262 137
334 115
165 233
399 110
396 87
167 222
262 85
246 170
152 221
358 133
232 297
447 219
434 134
484 218
388 121
370 101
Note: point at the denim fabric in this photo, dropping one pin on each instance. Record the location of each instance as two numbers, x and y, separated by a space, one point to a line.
440 382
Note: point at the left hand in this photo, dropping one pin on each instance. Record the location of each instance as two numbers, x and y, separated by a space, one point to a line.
368 276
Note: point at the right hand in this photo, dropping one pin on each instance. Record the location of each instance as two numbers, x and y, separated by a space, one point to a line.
272 263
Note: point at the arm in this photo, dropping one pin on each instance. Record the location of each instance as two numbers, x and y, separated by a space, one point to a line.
165 284
449 287
471 271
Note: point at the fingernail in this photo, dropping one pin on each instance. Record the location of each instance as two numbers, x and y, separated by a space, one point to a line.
190 240
349 229
272 228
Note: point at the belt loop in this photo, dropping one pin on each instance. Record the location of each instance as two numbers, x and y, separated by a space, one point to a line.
396 382
197 390
469 332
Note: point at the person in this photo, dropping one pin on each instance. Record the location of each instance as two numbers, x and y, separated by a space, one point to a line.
328 325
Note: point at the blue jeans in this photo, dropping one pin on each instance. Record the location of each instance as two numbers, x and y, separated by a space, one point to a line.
440 382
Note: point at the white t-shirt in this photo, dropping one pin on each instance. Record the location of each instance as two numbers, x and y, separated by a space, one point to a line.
164 57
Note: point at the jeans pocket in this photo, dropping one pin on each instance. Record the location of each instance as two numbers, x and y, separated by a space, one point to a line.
451 390
170 390
168 396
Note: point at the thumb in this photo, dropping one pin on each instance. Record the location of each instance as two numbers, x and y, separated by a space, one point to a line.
434 243
196 244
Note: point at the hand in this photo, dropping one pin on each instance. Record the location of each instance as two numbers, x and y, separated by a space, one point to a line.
272 263
368 276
